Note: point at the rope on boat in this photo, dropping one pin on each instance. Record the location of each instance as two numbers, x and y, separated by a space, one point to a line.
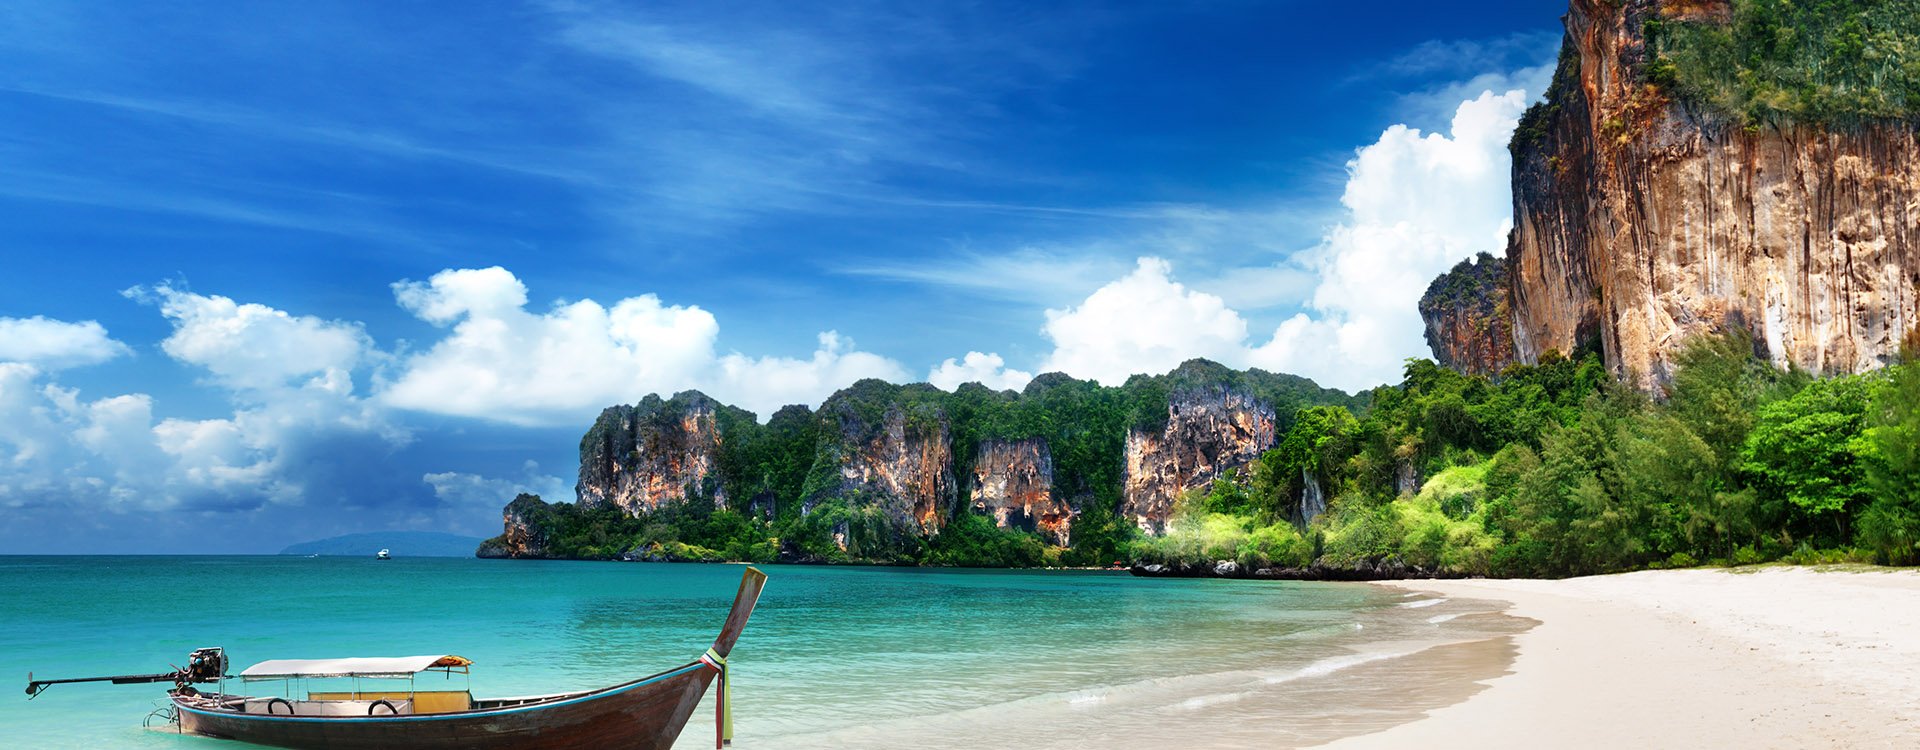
723 708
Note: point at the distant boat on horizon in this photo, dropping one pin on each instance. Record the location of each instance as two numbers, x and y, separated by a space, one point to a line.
384 554
410 543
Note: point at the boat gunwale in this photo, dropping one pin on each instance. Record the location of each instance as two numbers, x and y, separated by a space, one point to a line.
469 714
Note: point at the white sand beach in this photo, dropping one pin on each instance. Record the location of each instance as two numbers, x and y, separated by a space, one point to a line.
1765 658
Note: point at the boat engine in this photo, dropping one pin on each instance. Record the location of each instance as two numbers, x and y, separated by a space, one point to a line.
205 665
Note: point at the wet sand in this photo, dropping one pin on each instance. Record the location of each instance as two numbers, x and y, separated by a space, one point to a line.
1384 666
1769 658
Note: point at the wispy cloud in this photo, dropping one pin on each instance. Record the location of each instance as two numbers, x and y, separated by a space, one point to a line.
1457 58
279 126
58 188
753 111
780 75
1436 75
1252 258
1032 275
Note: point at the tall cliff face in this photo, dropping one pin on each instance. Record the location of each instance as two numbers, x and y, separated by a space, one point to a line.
638 458
1207 432
1641 220
889 455
1469 317
1012 481
523 534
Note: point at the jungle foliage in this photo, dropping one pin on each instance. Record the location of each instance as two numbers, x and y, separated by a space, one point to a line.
1550 469
1775 61
1556 470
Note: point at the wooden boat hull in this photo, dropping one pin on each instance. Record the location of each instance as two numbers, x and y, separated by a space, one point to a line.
644 714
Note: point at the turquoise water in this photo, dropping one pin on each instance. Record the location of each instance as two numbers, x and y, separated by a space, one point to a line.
834 657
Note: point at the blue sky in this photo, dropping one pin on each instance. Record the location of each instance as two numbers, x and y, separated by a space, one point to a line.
277 271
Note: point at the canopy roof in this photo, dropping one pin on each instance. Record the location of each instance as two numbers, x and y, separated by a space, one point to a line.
363 666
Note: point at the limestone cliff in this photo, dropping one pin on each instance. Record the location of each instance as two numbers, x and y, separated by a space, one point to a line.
1469 321
1207 432
874 475
524 530
889 452
1012 481
1641 219
638 458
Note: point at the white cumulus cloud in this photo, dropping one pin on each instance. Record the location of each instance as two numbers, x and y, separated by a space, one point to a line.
1143 322
986 369
1417 203
289 379
764 384
253 347
56 344
505 363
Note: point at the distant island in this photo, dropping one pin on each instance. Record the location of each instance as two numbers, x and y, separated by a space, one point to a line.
402 543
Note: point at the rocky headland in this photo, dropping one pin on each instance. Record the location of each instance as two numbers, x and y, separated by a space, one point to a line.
1646 213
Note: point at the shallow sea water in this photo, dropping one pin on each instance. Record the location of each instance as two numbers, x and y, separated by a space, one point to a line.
835 657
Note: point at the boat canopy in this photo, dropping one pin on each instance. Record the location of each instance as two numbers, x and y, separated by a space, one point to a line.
364 666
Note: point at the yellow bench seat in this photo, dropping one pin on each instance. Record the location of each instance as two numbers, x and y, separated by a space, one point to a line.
424 701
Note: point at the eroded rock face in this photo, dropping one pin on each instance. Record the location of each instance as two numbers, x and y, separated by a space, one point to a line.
1207 433
521 536
902 466
1012 481
1469 321
1640 222
638 458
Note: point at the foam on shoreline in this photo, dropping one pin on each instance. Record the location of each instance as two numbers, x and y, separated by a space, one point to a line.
1385 669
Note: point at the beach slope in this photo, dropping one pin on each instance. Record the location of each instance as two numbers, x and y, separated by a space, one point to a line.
1758 658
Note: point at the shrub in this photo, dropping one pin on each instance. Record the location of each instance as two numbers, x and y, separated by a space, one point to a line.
1360 533
1437 538
1279 545
1747 556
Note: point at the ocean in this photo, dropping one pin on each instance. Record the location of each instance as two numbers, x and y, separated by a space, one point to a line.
834 657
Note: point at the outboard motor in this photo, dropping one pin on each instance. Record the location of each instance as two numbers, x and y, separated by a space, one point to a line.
203 665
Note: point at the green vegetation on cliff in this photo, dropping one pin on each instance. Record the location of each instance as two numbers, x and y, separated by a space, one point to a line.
1545 470
1555 470
788 498
1821 61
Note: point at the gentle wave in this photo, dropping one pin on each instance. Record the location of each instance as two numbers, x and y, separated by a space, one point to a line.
1334 664
1422 603
1204 701
1437 619
1086 698
1319 668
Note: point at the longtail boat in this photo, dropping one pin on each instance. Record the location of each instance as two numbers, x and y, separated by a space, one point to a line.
648 712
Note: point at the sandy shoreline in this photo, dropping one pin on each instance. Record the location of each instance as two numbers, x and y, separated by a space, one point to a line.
1768 658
